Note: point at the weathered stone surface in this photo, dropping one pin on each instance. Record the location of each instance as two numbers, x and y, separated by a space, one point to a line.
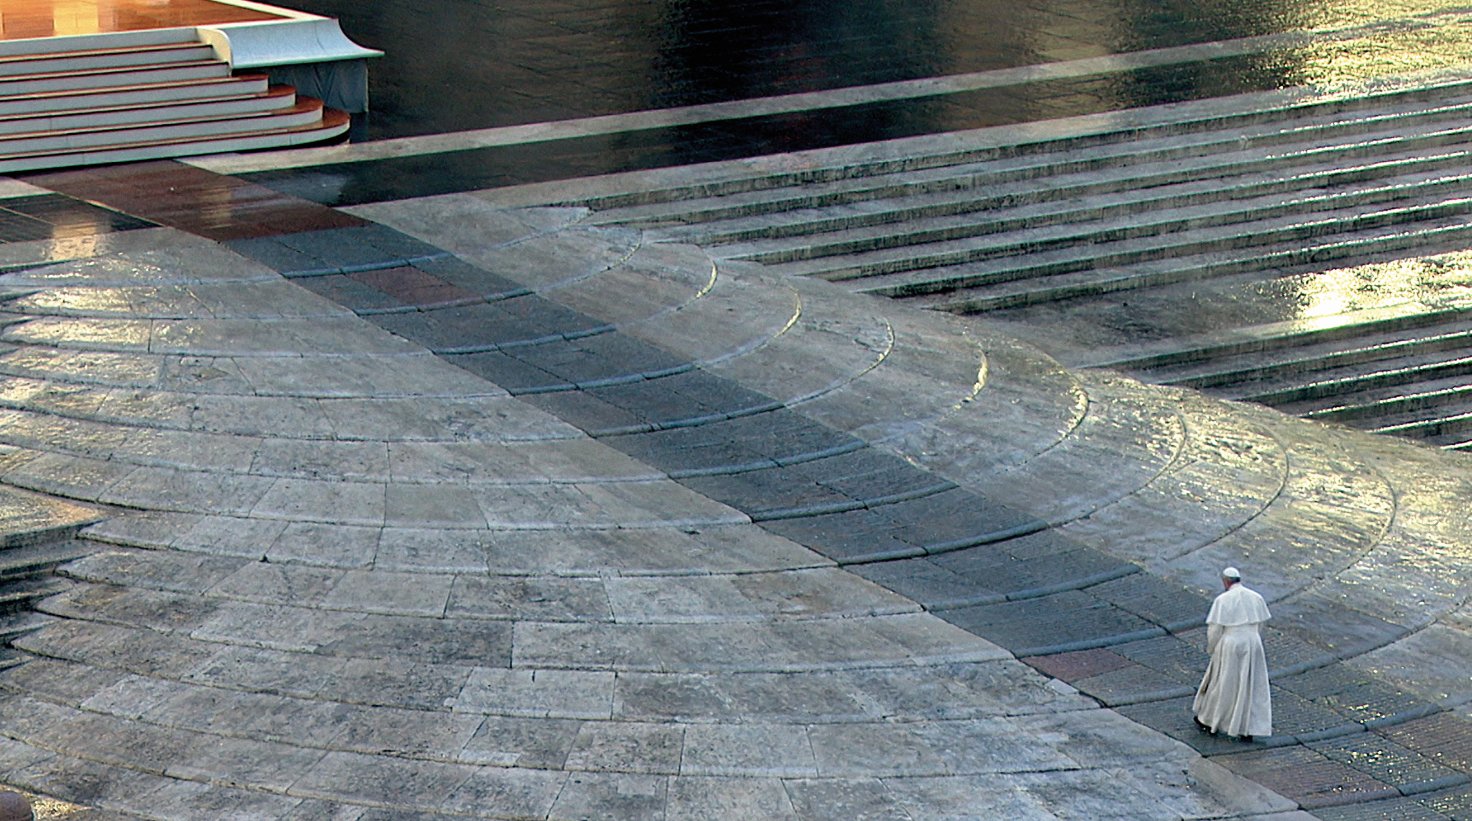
763 552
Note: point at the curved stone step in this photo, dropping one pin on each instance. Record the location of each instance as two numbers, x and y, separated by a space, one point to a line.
1125 440
842 361
289 112
226 420
407 461
336 668
1241 469
1022 404
34 560
760 594
536 505
208 547
330 126
21 595
238 338
1340 504
264 297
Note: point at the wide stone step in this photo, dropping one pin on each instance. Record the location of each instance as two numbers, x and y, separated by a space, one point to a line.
332 125
1256 339
102 116
1279 241
1319 357
1455 423
1245 112
1078 275
1461 441
139 93
101 58
933 217
22 594
295 113
15 625
111 77
1385 403
1129 167
38 559
910 271
1339 383
1124 217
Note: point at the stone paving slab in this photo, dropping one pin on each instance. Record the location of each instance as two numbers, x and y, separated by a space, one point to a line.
583 639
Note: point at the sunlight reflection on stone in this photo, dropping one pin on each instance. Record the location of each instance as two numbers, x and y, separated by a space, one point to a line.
1439 282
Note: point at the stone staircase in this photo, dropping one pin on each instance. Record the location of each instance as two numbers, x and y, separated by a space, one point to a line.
141 95
1056 226
28 560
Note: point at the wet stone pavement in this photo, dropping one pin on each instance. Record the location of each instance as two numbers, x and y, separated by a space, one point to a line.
770 78
404 496
485 505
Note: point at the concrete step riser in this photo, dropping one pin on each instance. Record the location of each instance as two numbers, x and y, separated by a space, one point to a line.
154 113
939 281
24 601
158 94
1295 260
246 142
1345 387
32 569
79 42
20 67
940 206
1370 353
1234 210
149 132
1452 425
1333 109
1266 345
1097 176
1409 404
17 87
17 625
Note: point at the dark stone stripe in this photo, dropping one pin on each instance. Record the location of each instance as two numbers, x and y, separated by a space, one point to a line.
481 168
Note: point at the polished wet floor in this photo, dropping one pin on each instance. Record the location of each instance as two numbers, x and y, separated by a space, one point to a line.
728 139
464 64
25 19
875 73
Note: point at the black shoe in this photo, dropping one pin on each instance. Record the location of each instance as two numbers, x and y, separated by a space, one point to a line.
1202 727
1245 738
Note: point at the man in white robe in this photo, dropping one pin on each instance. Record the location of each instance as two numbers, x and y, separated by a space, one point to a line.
1233 697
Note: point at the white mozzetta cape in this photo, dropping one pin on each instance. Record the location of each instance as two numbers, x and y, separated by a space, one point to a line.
1238 605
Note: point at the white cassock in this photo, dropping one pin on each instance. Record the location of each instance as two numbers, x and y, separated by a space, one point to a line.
1233 697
